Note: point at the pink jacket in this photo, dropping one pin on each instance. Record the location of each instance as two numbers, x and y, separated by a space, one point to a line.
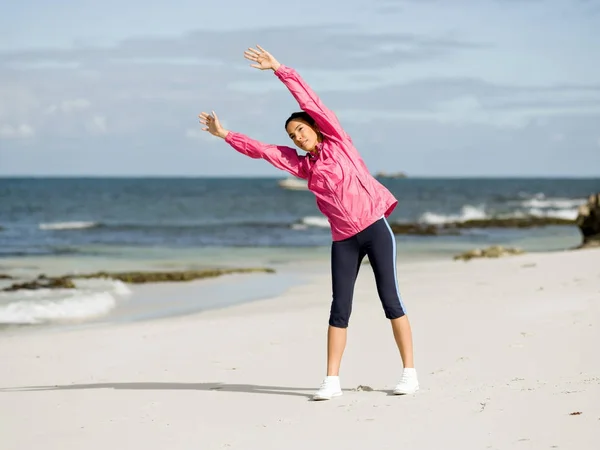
346 192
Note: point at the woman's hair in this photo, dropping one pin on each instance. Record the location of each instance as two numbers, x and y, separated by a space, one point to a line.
302 115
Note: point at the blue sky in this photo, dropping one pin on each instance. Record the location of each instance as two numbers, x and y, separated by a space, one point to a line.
429 87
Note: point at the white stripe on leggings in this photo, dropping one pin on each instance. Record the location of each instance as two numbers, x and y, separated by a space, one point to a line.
394 258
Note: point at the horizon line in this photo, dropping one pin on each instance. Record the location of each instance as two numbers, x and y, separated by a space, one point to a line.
406 177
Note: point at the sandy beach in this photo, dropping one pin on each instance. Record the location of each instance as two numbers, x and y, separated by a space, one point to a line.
506 352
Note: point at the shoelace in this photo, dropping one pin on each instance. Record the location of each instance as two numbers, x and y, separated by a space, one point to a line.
324 384
405 378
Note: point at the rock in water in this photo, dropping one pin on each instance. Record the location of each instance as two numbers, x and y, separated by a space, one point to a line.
495 251
588 221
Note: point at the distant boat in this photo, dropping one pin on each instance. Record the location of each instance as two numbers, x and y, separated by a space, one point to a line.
294 184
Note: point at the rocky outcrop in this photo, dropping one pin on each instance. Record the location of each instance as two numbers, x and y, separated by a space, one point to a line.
42 283
511 222
5 277
455 228
159 277
588 221
420 229
66 281
495 251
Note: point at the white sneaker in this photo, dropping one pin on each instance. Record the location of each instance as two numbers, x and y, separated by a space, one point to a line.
409 384
329 388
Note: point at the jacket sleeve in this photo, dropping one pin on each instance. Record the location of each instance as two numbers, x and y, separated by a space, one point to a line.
282 157
309 102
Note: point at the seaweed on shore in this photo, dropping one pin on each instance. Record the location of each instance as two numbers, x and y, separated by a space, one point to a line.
494 251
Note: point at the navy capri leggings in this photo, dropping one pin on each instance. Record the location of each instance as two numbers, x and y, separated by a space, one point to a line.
378 243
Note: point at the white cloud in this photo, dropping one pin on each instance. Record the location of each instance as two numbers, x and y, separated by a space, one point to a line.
68 106
353 44
17 101
461 111
456 93
16 132
97 125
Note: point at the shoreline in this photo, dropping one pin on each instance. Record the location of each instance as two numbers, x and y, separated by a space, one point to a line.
141 303
164 300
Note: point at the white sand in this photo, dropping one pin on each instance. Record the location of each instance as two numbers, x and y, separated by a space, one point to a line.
506 350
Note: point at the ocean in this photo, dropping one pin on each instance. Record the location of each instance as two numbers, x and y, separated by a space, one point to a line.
66 225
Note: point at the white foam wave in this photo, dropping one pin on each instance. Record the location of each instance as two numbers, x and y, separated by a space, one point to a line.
70 309
527 195
91 299
552 210
539 205
534 207
311 221
76 225
467 212
568 214
557 203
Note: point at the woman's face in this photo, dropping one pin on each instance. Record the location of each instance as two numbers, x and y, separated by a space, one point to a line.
304 135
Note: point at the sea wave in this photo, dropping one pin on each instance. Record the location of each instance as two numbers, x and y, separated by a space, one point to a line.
37 251
540 201
91 299
311 221
549 208
523 205
74 225
467 212
148 226
539 205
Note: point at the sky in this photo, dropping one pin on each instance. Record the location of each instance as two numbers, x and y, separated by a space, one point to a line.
427 87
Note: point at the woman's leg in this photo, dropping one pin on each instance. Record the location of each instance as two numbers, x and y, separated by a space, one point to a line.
346 258
381 248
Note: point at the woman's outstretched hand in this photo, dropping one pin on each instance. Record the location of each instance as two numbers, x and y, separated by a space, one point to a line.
263 59
213 126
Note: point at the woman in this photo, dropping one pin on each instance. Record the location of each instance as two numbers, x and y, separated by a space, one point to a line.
353 201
